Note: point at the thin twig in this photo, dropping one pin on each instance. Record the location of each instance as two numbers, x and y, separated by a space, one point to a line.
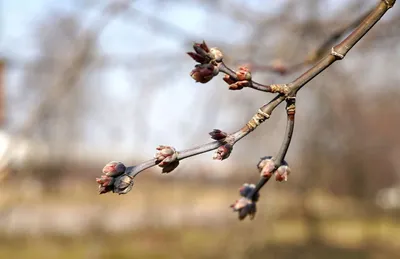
279 158
314 55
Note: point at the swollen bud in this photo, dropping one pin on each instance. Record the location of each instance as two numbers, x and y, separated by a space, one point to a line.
217 134
223 152
167 158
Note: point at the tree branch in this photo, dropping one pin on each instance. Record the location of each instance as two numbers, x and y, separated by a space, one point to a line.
210 64
316 54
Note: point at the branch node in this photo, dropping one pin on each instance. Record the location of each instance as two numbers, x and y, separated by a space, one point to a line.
257 119
336 54
280 88
389 3
291 105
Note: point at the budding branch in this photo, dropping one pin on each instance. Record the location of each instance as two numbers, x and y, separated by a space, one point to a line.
119 179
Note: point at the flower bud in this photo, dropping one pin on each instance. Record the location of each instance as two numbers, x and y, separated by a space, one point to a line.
201 48
167 158
113 179
282 173
266 166
105 180
123 184
243 74
217 134
239 85
223 152
203 73
216 54
170 167
243 79
199 58
245 207
114 169
205 55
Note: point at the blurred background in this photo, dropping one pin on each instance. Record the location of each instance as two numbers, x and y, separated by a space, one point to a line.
85 82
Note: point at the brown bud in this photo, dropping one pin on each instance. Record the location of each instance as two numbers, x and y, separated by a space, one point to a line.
170 167
205 55
105 189
201 48
198 58
123 185
218 134
203 73
223 152
239 85
229 80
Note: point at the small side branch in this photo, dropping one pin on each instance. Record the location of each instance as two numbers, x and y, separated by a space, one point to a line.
267 170
246 205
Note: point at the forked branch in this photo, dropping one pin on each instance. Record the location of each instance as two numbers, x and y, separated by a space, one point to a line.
119 179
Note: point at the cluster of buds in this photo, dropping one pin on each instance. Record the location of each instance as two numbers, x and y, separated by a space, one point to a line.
245 206
223 152
243 79
167 158
217 134
114 180
208 59
266 166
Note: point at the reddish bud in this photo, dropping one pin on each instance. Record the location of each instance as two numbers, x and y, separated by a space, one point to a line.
167 158
198 58
105 180
229 80
114 168
113 179
266 167
243 79
205 55
223 152
201 47
243 73
245 207
239 85
218 134
204 73
282 173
